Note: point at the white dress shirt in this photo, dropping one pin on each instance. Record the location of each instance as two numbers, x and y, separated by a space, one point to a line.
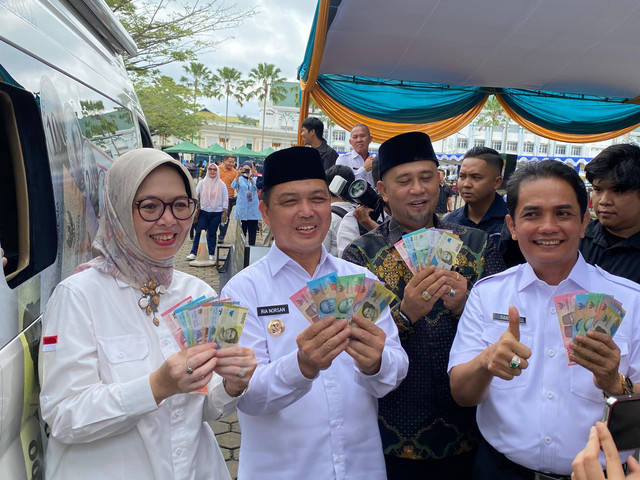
541 419
96 395
330 242
292 427
355 161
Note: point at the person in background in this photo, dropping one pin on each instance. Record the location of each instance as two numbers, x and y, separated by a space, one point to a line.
227 174
311 410
612 240
425 434
211 192
247 210
445 204
339 206
509 357
116 387
311 131
359 159
479 178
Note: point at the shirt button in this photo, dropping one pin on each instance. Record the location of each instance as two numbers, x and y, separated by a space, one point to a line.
338 459
550 395
547 440
336 423
552 310
177 413
121 354
329 384
178 452
551 352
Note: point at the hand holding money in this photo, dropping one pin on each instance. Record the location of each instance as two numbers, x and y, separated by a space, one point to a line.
320 343
598 353
366 344
236 365
423 291
499 357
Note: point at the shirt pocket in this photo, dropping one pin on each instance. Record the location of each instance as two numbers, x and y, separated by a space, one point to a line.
126 357
582 379
491 335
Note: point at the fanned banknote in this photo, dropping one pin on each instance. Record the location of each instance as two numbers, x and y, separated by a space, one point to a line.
303 300
374 302
346 291
323 291
232 318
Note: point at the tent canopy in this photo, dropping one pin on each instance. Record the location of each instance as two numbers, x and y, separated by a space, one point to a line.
565 70
217 149
185 147
244 151
267 151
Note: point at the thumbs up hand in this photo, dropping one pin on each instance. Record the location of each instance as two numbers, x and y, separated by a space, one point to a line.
501 358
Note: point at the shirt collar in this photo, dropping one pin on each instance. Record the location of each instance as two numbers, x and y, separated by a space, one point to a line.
578 276
498 208
596 231
277 260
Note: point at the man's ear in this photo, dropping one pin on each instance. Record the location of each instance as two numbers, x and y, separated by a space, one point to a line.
511 226
264 211
383 191
497 183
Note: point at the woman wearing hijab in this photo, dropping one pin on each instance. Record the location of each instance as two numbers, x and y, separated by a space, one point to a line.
115 384
247 201
214 200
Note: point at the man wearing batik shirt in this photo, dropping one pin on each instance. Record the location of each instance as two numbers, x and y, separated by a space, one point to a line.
425 434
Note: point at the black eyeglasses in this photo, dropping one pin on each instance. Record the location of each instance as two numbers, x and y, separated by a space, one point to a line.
151 209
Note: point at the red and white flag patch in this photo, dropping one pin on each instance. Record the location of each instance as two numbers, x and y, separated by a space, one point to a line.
50 343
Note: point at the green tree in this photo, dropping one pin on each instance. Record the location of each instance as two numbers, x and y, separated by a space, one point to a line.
246 120
227 82
168 31
267 84
200 81
167 107
493 115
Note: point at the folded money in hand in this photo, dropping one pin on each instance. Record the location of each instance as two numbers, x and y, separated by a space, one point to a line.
431 246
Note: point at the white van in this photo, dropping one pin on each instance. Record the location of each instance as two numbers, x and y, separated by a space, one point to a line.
67 110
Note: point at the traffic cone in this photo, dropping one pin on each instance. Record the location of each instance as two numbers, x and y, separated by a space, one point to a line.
202 258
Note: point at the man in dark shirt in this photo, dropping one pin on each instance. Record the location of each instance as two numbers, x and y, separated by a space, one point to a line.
479 178
612 241
444 195
311 131
425 434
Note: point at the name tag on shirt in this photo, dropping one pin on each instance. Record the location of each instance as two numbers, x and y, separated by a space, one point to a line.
273 310
502 317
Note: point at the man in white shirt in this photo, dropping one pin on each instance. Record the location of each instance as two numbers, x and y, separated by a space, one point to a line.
311 411
340 207
508 356
359 159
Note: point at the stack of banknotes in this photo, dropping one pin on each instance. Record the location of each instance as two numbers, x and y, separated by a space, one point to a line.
206 320
429 246
581 311
342 297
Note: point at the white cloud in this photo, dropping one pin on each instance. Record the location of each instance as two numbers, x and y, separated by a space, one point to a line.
278 35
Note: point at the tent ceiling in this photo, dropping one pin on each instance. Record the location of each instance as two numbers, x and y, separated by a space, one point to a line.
573 46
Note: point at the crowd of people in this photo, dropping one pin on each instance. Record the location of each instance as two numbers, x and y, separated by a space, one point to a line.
463 376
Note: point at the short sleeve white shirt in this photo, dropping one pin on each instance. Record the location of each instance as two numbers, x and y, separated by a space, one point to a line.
354 161
541 419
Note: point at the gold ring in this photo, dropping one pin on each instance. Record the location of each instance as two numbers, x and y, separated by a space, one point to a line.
457 276
426 296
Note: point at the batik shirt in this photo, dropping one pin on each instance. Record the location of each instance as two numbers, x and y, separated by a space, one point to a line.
420 420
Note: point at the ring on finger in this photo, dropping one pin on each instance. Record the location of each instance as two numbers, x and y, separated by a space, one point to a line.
189 369
242 373
452 292
515 362
457 276
426 296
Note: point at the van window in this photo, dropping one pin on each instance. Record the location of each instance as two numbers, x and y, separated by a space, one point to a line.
28 231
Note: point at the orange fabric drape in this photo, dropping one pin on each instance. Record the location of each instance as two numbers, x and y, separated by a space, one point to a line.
559 136
381 130
314 67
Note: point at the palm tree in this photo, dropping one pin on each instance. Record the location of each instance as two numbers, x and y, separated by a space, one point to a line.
228 83
268 84
199 81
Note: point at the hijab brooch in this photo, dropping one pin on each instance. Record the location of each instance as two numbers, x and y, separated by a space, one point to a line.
151 299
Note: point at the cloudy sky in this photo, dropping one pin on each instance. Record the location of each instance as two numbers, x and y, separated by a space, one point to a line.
278 35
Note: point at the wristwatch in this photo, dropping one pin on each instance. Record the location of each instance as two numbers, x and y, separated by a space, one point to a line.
625 383
406 321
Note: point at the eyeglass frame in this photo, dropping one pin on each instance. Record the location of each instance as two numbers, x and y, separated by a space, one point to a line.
192 201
